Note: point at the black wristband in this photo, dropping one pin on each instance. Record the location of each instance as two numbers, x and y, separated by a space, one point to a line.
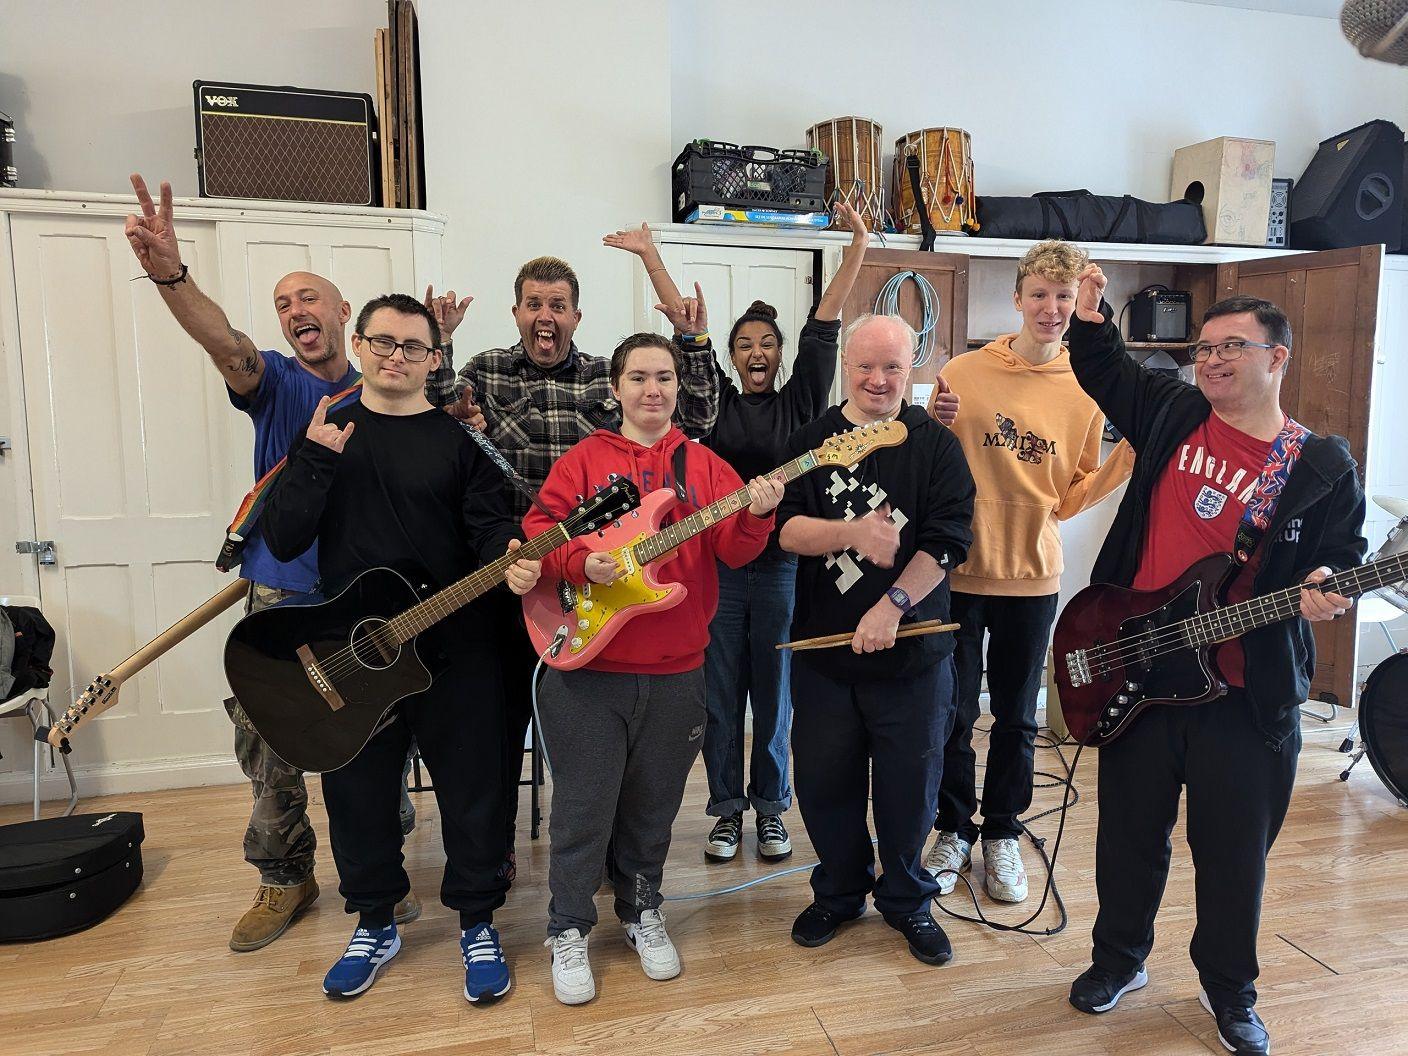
180 277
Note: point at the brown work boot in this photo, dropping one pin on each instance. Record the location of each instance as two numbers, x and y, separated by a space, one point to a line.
273 911
407 910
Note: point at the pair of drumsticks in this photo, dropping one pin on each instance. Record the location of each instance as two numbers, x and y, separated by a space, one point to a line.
828 641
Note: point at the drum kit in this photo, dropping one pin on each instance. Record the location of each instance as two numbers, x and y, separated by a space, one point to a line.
1382 725
945 155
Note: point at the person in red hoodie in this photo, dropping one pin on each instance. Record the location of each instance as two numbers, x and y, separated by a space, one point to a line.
621 733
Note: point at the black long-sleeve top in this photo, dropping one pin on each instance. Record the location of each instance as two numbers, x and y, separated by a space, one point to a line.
929 489
751 431
409 492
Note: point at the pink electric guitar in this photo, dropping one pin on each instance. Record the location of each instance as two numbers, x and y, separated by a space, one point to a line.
573 624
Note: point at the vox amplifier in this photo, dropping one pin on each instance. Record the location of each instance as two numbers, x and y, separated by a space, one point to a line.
286 144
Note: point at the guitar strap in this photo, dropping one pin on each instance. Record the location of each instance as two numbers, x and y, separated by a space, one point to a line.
1285 452
232 550
677 467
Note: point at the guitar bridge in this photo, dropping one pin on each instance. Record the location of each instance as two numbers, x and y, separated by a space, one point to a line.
319 681
1078 668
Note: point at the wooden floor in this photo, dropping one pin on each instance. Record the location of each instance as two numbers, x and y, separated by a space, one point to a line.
158 978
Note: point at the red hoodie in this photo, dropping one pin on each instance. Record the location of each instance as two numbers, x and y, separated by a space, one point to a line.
658 643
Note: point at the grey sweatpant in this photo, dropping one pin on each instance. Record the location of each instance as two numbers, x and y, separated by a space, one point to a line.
619 747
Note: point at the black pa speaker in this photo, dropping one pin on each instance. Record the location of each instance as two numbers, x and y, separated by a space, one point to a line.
1351 193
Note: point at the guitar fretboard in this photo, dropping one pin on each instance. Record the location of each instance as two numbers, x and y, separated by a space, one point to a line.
1223 624
687 528
435 608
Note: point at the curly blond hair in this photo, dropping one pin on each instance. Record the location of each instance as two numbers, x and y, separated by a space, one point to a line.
1053 259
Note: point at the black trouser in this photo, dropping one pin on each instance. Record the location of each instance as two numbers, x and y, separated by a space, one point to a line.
517 660
884 738
1018 630
1238 790
458 724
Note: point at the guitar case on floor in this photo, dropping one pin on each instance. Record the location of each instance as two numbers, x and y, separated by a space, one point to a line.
60 875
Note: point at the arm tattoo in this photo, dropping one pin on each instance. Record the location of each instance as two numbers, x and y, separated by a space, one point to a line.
249 365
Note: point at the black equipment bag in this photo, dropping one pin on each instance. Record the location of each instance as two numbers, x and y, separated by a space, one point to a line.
60 875
1079 216
27 656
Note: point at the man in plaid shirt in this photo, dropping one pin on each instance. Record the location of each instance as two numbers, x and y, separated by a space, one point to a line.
534 401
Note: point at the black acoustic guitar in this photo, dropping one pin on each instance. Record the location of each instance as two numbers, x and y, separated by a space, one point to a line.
317 677
1119 651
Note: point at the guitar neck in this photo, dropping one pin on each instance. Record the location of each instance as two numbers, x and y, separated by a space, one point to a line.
454 597
687 528
90 705
1224 624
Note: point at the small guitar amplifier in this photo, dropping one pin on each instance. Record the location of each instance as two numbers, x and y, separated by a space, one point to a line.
1160 315
286 144
1280 210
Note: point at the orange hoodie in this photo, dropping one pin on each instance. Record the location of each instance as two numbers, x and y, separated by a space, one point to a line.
672 641
1032 439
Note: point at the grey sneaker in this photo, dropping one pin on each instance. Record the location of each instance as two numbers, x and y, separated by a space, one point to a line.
950 855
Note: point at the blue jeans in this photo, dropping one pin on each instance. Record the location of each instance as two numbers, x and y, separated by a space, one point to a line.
743 663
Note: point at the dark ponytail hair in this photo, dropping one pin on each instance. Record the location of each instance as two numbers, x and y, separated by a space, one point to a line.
758 312
623 352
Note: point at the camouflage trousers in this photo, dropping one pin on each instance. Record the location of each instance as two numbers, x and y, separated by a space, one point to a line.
279 840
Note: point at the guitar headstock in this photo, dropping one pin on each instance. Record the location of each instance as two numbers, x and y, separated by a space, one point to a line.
100 695
612 502
848 448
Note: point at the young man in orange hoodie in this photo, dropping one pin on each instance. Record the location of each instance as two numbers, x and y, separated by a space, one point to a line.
1032 439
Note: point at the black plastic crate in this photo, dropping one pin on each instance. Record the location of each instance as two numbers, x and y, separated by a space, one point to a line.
712 173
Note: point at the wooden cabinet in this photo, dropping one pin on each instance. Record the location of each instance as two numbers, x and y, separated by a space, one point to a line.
127 453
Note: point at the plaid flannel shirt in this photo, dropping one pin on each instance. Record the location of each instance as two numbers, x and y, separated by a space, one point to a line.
533 415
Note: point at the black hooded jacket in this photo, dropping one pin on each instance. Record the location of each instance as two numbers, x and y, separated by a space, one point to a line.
1318 520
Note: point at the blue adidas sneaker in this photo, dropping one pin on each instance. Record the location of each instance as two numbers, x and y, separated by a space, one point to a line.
486 975
355 972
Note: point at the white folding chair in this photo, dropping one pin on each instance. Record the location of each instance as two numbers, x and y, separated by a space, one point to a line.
34 705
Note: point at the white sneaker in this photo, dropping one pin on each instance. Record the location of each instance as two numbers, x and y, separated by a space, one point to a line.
572 980
658 955
1004 874
950 855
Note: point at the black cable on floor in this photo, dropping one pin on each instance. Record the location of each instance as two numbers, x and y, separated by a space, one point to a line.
1069 797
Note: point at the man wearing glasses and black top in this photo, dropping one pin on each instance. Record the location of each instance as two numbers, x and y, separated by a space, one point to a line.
1209 461
391 481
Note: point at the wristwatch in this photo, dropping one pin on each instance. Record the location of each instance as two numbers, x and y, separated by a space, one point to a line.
900 599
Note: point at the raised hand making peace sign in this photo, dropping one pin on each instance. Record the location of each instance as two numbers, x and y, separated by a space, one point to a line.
152 235
321 431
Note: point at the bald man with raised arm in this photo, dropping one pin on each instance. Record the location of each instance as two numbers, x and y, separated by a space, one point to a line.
279 393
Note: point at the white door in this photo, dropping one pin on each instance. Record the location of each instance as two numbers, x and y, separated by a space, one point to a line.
733 278
131 470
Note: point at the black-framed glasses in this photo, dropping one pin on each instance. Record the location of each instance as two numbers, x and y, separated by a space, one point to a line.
414 351
1227 351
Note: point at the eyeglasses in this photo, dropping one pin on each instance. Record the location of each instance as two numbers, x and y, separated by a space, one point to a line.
414 351
1227 351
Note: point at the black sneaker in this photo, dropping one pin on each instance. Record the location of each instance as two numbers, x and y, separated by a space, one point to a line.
724 839
773 842
816 925
1097 990
1239 1028
927 940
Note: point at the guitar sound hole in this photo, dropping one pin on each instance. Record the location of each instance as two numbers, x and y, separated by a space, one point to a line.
372 646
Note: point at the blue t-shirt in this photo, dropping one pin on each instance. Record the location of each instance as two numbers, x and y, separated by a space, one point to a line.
281 408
